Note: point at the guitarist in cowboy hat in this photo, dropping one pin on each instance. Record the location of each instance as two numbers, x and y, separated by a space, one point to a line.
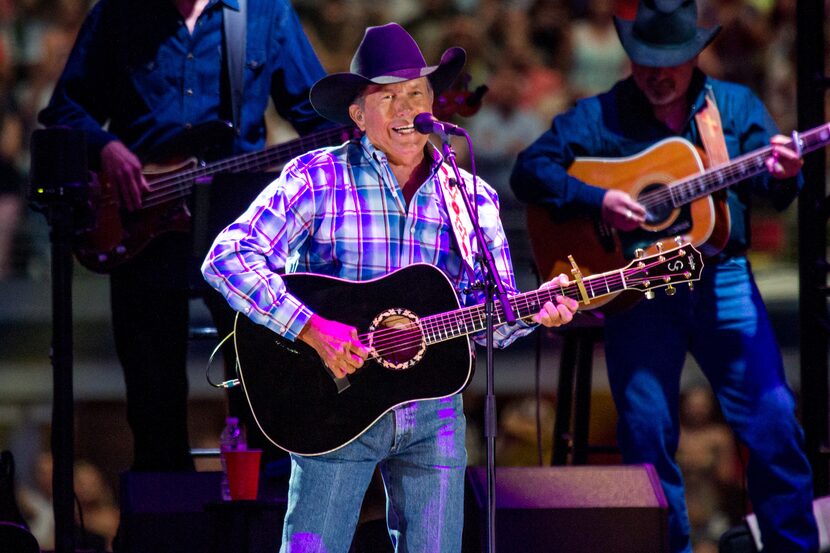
722 322
357 212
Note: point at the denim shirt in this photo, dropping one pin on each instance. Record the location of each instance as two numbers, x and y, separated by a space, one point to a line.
620 123
137 69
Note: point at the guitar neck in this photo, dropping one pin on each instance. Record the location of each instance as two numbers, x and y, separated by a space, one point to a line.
179 184
273 155
748 165
469 320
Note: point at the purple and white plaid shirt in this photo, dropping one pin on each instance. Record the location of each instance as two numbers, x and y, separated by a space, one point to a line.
340 212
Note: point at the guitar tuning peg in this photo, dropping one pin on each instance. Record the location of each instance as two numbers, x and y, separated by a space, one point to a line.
678 240
691 286
649 294
639 253
659 246
670 290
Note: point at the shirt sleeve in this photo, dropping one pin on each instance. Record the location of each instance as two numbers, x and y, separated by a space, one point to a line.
80 97
490 221
246 259
297 69
540 175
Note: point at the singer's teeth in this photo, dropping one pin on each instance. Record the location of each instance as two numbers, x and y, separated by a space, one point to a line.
406 129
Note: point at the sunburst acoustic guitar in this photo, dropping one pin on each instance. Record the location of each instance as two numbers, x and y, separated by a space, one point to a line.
681 196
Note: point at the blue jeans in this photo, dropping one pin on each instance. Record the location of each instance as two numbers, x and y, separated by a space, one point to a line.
723 323
420 449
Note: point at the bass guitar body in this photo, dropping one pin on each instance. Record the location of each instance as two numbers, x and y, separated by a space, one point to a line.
114 235
597 248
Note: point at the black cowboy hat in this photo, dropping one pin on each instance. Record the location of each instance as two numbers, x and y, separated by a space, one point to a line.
387 54
664 33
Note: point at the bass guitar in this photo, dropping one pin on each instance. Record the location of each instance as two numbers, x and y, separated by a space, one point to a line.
113 235
417 343
681 198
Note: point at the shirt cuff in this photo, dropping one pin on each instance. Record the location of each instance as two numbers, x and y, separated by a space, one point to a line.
95 142
300 316
591 196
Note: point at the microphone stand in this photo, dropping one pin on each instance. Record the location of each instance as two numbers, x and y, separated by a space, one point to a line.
493 287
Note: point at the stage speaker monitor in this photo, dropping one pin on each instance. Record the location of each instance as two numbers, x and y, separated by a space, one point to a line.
164 512
584 509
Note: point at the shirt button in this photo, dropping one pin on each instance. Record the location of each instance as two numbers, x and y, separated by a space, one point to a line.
189 92
188 126
190 55
411 230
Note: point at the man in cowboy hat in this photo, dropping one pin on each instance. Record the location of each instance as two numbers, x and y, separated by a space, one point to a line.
723 321
359 211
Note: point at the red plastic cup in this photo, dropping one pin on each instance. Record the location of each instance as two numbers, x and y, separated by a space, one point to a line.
243 472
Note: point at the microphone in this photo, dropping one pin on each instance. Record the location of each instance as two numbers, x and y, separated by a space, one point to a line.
425 123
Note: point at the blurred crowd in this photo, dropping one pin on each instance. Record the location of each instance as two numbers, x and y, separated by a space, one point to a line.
535 56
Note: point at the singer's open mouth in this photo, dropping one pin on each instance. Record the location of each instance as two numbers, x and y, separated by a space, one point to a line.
404 130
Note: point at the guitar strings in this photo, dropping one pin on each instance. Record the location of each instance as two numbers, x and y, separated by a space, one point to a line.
744 166
443 326
178 185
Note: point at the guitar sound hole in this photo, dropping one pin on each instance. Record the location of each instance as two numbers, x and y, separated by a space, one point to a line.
658 201
397 340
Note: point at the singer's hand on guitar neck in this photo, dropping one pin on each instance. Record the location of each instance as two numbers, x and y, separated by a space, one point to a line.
122 169
559 313
621 211
337 345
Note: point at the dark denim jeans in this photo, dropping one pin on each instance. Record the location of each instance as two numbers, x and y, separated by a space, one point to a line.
723 323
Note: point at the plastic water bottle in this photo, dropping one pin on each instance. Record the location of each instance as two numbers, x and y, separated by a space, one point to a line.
231 439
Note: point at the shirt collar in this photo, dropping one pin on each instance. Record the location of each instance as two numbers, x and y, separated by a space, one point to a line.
233 4
631 95
374 154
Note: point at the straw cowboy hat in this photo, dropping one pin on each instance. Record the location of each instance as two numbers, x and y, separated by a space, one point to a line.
387 54
664 33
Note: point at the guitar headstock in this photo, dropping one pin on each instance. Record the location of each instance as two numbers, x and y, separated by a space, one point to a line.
682 264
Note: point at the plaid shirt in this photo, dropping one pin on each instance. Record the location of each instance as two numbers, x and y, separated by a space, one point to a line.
340 212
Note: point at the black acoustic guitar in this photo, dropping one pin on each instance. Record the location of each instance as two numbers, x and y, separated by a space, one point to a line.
416 333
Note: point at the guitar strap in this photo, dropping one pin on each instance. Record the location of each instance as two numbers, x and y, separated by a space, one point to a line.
235 41
462 225
711 131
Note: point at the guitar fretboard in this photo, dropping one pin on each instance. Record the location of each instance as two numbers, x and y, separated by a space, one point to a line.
446 326
695 187
179 184
681 264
